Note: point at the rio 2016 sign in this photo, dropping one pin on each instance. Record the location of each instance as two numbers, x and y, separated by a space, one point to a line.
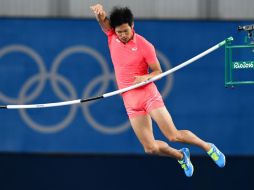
243 65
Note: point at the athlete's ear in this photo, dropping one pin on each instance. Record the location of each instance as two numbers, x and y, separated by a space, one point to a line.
132 25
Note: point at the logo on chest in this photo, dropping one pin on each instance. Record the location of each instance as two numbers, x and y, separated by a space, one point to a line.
134 49
128 46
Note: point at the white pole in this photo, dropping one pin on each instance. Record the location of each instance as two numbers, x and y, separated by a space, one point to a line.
124 89
169 71
43 105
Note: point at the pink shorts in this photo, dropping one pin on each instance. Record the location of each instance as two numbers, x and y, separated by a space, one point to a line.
142 101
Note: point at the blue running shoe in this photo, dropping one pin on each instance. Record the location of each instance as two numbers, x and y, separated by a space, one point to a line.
186 163
217 156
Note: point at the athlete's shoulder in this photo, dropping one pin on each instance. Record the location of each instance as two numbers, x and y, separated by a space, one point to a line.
143 41
109 32
111 35
144 44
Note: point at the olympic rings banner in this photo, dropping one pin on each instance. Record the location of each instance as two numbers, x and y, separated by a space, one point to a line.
52 60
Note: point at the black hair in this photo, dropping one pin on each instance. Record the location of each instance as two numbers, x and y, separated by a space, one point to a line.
119 16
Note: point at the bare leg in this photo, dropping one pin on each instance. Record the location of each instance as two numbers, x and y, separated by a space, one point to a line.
166 125
142 126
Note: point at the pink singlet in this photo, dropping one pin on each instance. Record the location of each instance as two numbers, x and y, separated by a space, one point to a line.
130 60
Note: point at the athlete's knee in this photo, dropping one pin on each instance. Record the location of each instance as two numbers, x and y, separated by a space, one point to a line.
174 137
186 132
151 149
178 135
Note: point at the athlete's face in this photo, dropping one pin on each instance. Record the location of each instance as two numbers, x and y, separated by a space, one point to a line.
124 32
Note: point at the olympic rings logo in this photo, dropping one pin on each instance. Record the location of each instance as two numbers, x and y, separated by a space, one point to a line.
55 78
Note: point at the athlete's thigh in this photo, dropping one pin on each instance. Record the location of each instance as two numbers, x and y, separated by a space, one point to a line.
142 126
163 119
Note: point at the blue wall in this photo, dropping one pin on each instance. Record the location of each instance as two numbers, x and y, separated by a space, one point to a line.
25 171
48 60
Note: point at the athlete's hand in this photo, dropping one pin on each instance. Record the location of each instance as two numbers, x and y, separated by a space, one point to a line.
98 11
139 79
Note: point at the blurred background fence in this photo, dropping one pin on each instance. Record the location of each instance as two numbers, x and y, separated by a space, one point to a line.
160 9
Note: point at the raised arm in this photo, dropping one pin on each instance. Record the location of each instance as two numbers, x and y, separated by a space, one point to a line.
101 17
